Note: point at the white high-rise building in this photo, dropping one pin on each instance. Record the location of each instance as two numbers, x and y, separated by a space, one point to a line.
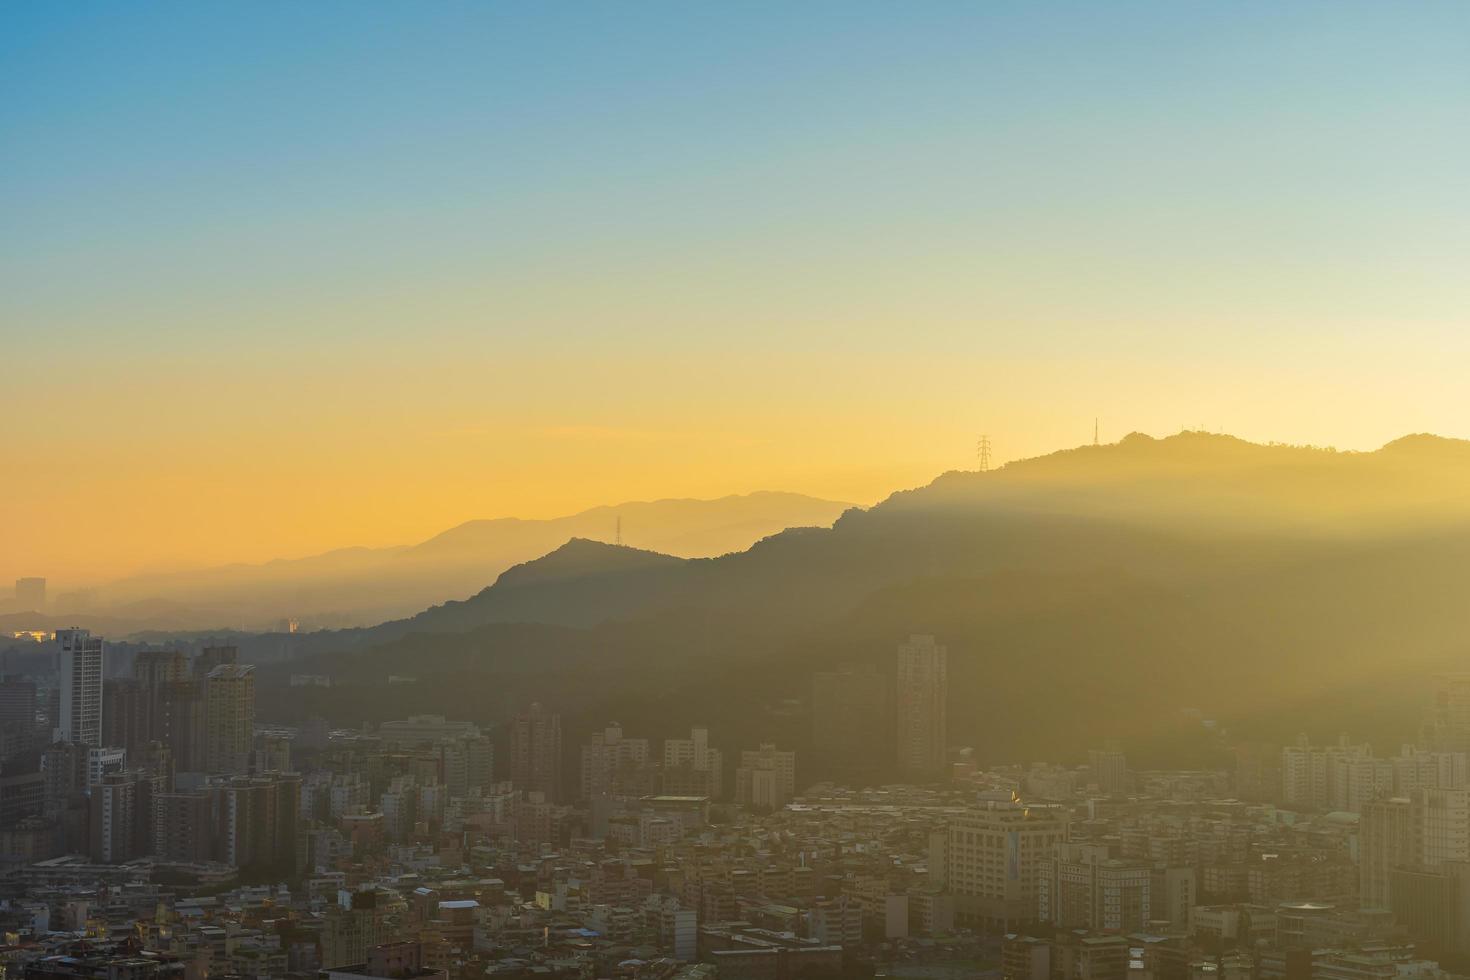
922 700
81 687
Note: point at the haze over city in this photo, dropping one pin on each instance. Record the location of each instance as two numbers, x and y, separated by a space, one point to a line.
734 491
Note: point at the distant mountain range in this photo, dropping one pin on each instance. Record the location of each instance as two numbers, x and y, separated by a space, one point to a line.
360 586
1137 590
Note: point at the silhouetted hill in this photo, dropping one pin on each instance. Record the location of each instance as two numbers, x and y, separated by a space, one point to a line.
352 587
1101 590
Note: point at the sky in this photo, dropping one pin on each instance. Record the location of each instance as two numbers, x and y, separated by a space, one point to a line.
281 277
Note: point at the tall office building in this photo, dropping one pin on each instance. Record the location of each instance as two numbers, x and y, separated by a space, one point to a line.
994 857
852 722
30 594
80 715
921 702
766 778
535 751
229 718
692 767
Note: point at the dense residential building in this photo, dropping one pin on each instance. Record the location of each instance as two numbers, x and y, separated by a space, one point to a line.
121 818
229 718
535 751
153 669
922 707
611 762
184 826
80 683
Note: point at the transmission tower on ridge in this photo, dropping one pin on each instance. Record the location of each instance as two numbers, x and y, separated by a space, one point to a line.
618 532
982 449
1094 430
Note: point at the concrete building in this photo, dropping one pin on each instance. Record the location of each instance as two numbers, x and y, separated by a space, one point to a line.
80 717
921 703
1420 832
1081 887
995 856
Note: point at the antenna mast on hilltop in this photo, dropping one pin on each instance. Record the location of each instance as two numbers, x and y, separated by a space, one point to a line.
982 449
1094 430
618 532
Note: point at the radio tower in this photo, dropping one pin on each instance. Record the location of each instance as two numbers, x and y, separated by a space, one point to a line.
982 449
1094 430
618 532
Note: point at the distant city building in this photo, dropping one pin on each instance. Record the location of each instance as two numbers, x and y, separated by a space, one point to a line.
1109 768
212 657
535 751
80 683
609 760
921 707
692 767
1447 723
30 594
766 778
423 730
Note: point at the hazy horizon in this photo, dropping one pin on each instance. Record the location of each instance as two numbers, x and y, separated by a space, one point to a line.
284 283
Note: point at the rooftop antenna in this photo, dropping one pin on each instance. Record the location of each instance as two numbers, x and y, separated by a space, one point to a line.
982 449
618 532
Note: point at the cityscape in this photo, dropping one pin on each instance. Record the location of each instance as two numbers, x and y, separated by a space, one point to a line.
835 490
